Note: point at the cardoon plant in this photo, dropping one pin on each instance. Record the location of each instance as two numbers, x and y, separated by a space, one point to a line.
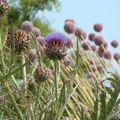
56 50
54 82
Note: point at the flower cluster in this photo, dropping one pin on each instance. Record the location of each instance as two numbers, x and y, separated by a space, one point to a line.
41 74
3 7
56 45
19 40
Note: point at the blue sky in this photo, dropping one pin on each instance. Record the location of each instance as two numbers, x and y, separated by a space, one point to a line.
88 12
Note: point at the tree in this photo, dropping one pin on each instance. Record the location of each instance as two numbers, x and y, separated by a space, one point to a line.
22 10
29 8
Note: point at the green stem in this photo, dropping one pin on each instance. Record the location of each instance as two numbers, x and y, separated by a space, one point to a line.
1 51
77 55
0 40
56 79
77 59
37 49
56 65
24 71
15 82
14 102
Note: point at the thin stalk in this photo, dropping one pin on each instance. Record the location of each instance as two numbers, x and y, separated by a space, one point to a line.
37 100
57 72
15 82
24 71
64 105
56 80
77 58
1 52
0 39
14 102
77 55
37 48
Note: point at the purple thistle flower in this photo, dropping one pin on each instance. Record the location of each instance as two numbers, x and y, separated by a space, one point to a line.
41 74
100 67
99 40
93 47
22 40
107 54
98 27
56 36
32 55
117 57
85 46
67 62
55 45
36 31
40 39
80 33
69 27
114 43
27 26
91 36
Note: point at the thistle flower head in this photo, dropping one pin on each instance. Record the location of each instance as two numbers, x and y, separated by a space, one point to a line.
18 39
93 47
32 54
41 74
114 43
55 45
69 27
100 67
40 39
93 68
91 36
27 26
116 56
80 33
3 7
98 27
105 45
85 46
36 31
99 40
107 54
56 36
67 62
90 75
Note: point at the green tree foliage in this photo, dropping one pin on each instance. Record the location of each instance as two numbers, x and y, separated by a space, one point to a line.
44 25
29 8
22 10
